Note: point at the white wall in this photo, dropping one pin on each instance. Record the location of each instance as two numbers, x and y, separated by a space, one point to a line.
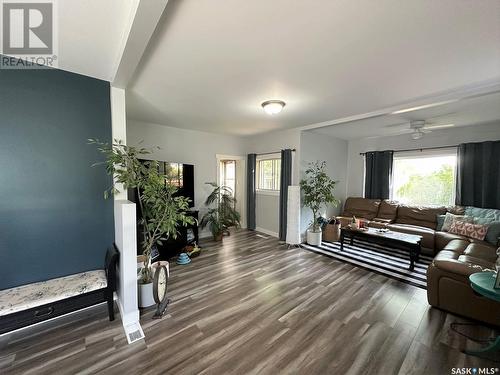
187 146
445 137
267 206
321 147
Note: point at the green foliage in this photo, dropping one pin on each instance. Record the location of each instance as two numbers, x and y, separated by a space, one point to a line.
435 188
161 211
317 190
221 213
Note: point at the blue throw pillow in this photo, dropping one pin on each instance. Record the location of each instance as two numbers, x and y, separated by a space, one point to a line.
493 229
485 213
440 222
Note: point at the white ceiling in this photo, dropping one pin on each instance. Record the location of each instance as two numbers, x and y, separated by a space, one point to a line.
212 62
469 112
91 35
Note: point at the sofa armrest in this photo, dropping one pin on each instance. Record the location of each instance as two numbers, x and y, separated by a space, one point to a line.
457 267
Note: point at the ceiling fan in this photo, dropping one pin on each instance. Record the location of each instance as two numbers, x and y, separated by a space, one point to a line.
418 128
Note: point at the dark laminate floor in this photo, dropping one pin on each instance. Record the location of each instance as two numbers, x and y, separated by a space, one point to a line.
251 306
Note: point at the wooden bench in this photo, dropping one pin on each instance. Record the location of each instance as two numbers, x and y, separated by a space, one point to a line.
32 303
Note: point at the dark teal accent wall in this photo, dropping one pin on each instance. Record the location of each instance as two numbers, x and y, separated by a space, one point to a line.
53 218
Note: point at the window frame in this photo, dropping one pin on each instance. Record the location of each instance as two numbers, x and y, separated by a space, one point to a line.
425 153
223 173
276 178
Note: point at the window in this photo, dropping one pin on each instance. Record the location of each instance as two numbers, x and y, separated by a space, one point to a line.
268 174
228 174
425 178
173 172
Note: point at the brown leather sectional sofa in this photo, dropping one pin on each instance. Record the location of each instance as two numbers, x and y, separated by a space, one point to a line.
456 257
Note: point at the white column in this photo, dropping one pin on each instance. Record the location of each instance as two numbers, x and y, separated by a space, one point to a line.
118 126
125 228
126 241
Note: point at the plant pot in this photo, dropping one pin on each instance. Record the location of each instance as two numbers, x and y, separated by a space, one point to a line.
218 237
313 238
145 292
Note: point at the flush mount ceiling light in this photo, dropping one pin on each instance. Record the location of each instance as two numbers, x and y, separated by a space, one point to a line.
273 107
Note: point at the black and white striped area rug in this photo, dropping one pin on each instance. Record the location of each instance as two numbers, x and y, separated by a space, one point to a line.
381 259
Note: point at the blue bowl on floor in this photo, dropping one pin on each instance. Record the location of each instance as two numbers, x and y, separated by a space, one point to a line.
183 259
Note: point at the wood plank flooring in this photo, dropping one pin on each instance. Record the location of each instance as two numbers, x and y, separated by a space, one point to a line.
251 306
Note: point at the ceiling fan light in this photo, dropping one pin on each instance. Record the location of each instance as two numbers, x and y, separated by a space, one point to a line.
417 135
273 107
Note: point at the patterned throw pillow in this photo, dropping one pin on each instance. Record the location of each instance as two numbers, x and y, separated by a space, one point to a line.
477 231
449 218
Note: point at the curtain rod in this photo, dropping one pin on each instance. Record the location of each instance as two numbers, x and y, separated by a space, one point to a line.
274 152
418 149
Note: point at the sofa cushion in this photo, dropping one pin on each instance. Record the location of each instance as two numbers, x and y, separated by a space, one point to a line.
442 239
32 295
426 233
477 231
361 207
440 222
493 234
419 216
488 213
457 245
388 210
482 251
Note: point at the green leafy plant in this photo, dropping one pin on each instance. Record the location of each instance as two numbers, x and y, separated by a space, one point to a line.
317 190
162 212
221 213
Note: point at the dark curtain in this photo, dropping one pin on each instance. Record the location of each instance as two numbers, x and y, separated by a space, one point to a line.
251 191
478 174
285 181
378 174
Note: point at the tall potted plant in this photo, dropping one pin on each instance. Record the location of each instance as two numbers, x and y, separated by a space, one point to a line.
162 212
221 214
317 190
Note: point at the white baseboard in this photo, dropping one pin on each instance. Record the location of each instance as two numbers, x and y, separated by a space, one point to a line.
268 232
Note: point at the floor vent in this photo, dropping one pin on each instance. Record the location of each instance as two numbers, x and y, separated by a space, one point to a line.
134 333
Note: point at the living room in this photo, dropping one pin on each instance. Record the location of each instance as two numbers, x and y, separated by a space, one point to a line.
288 187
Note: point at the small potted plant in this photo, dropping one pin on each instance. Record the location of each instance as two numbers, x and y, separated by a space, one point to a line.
317 190
162 211
221 214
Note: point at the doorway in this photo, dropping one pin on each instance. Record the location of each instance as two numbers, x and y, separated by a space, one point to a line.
231 171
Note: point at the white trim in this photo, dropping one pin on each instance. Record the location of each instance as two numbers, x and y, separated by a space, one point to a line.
276 155
466 92
268 232
426 153
229 157
275 193
241 182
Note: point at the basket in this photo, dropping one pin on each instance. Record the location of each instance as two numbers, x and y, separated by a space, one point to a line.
331 233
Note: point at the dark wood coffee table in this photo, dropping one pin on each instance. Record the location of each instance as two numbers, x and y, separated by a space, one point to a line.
403 241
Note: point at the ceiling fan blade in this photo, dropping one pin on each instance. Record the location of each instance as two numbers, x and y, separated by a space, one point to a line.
438 126
426 131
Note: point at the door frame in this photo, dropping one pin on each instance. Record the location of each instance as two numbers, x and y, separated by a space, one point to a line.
239 179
